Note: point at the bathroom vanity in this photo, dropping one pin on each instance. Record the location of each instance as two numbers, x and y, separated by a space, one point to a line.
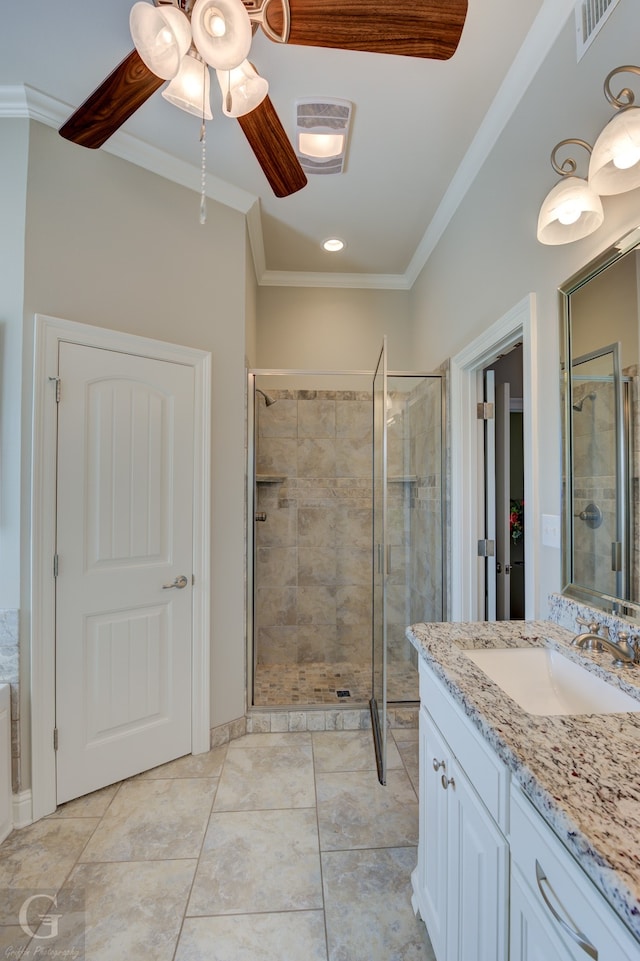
529 822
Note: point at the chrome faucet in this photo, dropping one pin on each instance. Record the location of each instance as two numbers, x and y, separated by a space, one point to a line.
623 650
590 638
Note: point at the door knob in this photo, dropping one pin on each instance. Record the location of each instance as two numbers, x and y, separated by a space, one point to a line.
180 582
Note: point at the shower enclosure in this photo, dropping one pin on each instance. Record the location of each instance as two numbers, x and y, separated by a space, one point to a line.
313 635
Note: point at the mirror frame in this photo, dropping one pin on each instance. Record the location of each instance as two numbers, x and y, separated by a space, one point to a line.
605 602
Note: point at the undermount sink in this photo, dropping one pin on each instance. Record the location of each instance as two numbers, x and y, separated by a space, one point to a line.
542 681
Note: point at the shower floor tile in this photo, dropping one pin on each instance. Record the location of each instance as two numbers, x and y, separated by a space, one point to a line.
318 683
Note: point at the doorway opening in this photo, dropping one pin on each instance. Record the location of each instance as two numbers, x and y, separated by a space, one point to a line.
503 455
311 558
467 594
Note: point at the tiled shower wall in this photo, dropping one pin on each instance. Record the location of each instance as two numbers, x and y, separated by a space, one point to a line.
414 512
594 465
313 551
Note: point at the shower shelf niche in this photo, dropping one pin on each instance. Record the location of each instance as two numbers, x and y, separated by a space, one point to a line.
403 479
270 479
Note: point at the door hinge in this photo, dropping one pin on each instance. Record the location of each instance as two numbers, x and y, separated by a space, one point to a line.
55 565
485 411
57 383
486 548
55 739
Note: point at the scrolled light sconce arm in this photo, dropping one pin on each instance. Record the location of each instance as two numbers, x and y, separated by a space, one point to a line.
615 161
571 210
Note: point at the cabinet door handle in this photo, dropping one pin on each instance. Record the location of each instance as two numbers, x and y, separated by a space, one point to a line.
437 764
573 932
446 781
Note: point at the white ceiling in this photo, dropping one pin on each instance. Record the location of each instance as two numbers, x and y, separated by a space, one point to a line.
413 125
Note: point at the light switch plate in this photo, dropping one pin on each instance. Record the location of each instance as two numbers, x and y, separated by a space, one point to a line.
551 530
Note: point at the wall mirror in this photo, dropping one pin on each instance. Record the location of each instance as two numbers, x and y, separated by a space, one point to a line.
600 360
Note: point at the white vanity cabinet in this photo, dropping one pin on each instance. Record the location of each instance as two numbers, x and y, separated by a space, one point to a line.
460 882
554 903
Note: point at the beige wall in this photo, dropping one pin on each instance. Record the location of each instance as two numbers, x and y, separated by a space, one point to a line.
14 146
110 244
489 258
328 329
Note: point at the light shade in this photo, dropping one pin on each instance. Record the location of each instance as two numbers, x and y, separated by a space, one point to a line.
321 145
243 89
161 35
190 89
570 211
615 161
221 32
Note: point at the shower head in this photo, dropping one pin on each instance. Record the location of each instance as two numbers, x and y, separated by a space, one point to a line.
268 400
578 404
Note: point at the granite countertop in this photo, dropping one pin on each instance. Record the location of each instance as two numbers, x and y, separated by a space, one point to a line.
582 773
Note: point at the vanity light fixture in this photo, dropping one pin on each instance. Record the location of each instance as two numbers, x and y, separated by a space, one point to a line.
615 161
572 209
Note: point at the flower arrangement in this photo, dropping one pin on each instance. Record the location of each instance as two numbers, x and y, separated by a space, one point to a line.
516 520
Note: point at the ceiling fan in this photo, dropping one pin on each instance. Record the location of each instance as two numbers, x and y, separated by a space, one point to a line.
173 34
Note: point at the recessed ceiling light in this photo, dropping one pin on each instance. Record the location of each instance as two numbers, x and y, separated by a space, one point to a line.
333 244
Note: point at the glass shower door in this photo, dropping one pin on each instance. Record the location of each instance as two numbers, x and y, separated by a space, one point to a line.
600 492
378 702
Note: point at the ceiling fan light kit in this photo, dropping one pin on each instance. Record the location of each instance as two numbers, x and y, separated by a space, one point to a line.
573 209
243 89
190 89
221 32
161 36
166 33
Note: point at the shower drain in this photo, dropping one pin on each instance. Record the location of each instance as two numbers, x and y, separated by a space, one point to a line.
343 693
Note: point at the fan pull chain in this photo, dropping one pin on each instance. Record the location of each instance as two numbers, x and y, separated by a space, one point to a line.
229 102
203 166
203 174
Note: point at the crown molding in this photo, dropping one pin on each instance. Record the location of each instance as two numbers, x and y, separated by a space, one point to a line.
298 278
24 101
544 32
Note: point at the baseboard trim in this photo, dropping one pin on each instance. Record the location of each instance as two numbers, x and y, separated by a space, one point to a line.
22 809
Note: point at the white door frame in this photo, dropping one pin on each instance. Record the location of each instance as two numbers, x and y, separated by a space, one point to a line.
518 324
49 332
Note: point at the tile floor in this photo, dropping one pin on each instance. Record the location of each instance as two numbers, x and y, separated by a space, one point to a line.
275 847
317 683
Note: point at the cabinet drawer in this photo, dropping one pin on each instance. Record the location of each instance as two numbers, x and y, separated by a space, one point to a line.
555 879
481 764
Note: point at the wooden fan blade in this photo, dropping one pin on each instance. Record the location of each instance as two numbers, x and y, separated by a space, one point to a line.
273 150
113 102
412 28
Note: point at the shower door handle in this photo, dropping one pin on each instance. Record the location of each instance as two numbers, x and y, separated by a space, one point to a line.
383 552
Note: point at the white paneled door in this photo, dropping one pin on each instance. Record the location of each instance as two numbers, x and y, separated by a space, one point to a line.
124 566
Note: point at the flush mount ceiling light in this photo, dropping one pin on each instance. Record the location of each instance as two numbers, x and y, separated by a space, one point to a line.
220 32
572 209
322 131
333 245
615 161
